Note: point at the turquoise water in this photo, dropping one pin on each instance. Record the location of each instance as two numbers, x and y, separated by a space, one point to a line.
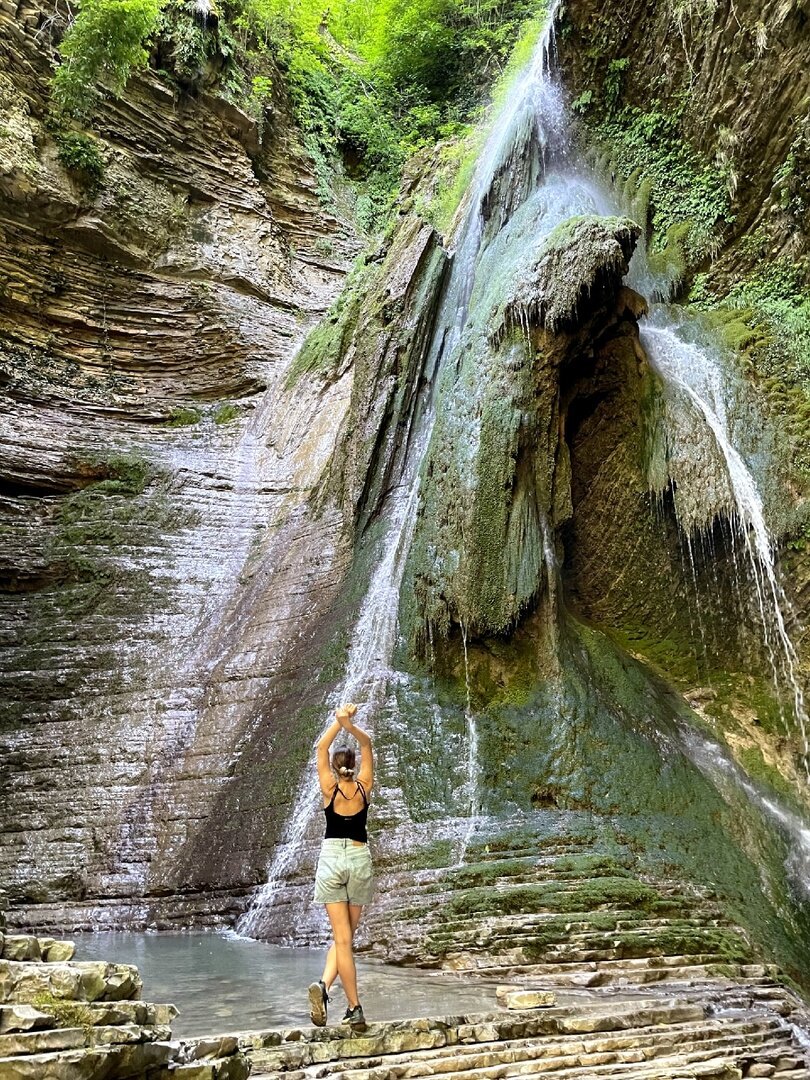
223 984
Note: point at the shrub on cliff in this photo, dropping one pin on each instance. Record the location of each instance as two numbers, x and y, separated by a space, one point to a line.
103 45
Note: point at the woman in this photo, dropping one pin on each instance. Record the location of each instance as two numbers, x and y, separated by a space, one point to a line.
344 880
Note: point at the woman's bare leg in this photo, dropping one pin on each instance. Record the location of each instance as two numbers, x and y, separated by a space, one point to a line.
330 969
342 932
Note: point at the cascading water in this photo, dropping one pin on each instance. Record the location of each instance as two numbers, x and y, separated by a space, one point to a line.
693 376
509 179
534 112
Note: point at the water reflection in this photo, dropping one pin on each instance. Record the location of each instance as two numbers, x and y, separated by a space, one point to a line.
225 984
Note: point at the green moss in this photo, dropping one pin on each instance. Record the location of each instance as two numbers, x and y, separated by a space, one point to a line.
758 769
68 1014
591 865
687 195
183 416
485 873
552 896
225 414
672 656
764 318
432 857
325 346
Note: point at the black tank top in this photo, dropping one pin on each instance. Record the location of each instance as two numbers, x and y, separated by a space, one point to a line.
343 827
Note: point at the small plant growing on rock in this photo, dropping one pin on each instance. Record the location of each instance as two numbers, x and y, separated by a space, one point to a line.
104 44
181 416
226 413
80 155
67 1014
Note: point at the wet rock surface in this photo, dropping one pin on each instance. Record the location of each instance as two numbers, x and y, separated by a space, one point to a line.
745 110
649 1037
85 1021
154 487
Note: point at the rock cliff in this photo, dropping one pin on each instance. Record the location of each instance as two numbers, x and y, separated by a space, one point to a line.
161 576
191 510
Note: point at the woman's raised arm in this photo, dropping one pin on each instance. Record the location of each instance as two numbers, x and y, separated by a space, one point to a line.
346 721
322 756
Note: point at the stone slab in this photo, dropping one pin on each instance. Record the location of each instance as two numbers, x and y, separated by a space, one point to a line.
518 997
83 981
41 1042
23 1018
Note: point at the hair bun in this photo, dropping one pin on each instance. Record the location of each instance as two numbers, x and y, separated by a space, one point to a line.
344 771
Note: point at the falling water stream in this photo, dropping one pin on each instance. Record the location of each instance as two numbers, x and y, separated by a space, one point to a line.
695 374
499 187
368 671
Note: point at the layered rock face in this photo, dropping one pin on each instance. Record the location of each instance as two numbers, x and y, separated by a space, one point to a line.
192 528
162 580
84 1020
728 73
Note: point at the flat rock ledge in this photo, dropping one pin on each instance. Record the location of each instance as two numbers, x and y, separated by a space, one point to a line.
652 1038
517 997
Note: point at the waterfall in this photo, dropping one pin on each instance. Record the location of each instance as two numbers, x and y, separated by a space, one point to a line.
534 112
693 374
526 159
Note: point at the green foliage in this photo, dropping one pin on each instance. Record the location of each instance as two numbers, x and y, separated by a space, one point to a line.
225 414
792 178
583 102
554 896
614 79
325 345
261 94
765 318
80 155
689 204
183 416
103 45
369 83
67 1014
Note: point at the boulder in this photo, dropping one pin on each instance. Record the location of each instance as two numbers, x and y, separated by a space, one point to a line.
518 997
58 951
21 947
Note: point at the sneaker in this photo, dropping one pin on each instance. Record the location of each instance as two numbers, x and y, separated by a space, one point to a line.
318 999
355 1019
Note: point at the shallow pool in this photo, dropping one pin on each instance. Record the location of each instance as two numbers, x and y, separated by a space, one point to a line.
223 983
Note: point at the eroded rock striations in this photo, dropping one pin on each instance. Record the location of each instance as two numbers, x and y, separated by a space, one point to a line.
191 516
162 578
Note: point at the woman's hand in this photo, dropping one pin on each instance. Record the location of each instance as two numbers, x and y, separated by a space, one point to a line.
345 714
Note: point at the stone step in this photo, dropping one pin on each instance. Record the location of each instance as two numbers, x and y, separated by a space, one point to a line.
572 1061
303 1047
88 1062
708 1038
566 1061
633 971
585 924
622 918
73 981
41 1042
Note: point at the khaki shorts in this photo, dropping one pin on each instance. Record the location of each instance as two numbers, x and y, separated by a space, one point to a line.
344 873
